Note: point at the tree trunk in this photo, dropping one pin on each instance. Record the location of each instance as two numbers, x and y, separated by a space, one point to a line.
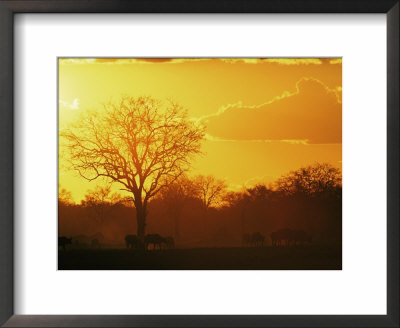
141 222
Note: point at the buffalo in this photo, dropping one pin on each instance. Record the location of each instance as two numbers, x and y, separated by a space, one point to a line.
133 242
64 241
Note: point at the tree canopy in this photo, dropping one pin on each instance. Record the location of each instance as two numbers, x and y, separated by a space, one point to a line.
313 179
141 143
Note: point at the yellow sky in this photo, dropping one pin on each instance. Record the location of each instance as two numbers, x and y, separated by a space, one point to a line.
264 117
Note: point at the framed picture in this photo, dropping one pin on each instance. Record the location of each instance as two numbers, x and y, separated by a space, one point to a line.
202 205
202 164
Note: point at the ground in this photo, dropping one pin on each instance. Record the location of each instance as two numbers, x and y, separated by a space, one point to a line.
239 258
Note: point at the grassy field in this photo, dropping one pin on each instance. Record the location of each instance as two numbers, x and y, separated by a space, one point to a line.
240 258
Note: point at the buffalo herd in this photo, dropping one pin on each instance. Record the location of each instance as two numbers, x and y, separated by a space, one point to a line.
151 241
63 242
282 237
256 239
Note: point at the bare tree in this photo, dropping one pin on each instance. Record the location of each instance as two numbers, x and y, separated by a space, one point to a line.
99 202
140 143
65 197
210 190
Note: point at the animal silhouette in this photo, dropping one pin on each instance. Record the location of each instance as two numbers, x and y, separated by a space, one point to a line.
133 242
153 239
282 237
169 242
64 241
257 239
274 239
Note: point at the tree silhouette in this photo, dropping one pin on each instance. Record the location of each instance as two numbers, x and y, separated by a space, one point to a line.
139 143
99 202
210 190
65 197
239 203
314 179
175 197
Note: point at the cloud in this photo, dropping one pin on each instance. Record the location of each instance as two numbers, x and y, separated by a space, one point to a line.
155 60
145 60
295 142
105 60
131 60
74 105
294 61
76 61
338 92
260 180
310 114
213 138
280 61
335 61
126 61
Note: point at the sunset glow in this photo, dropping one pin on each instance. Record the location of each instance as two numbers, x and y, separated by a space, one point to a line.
263 117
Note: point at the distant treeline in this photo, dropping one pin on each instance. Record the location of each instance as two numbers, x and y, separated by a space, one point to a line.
202 212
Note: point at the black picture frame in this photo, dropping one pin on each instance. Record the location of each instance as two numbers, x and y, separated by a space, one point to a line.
7 10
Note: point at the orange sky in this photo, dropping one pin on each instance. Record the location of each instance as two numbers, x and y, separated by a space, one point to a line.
264 117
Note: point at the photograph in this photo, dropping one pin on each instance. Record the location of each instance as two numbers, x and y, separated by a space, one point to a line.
199 163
